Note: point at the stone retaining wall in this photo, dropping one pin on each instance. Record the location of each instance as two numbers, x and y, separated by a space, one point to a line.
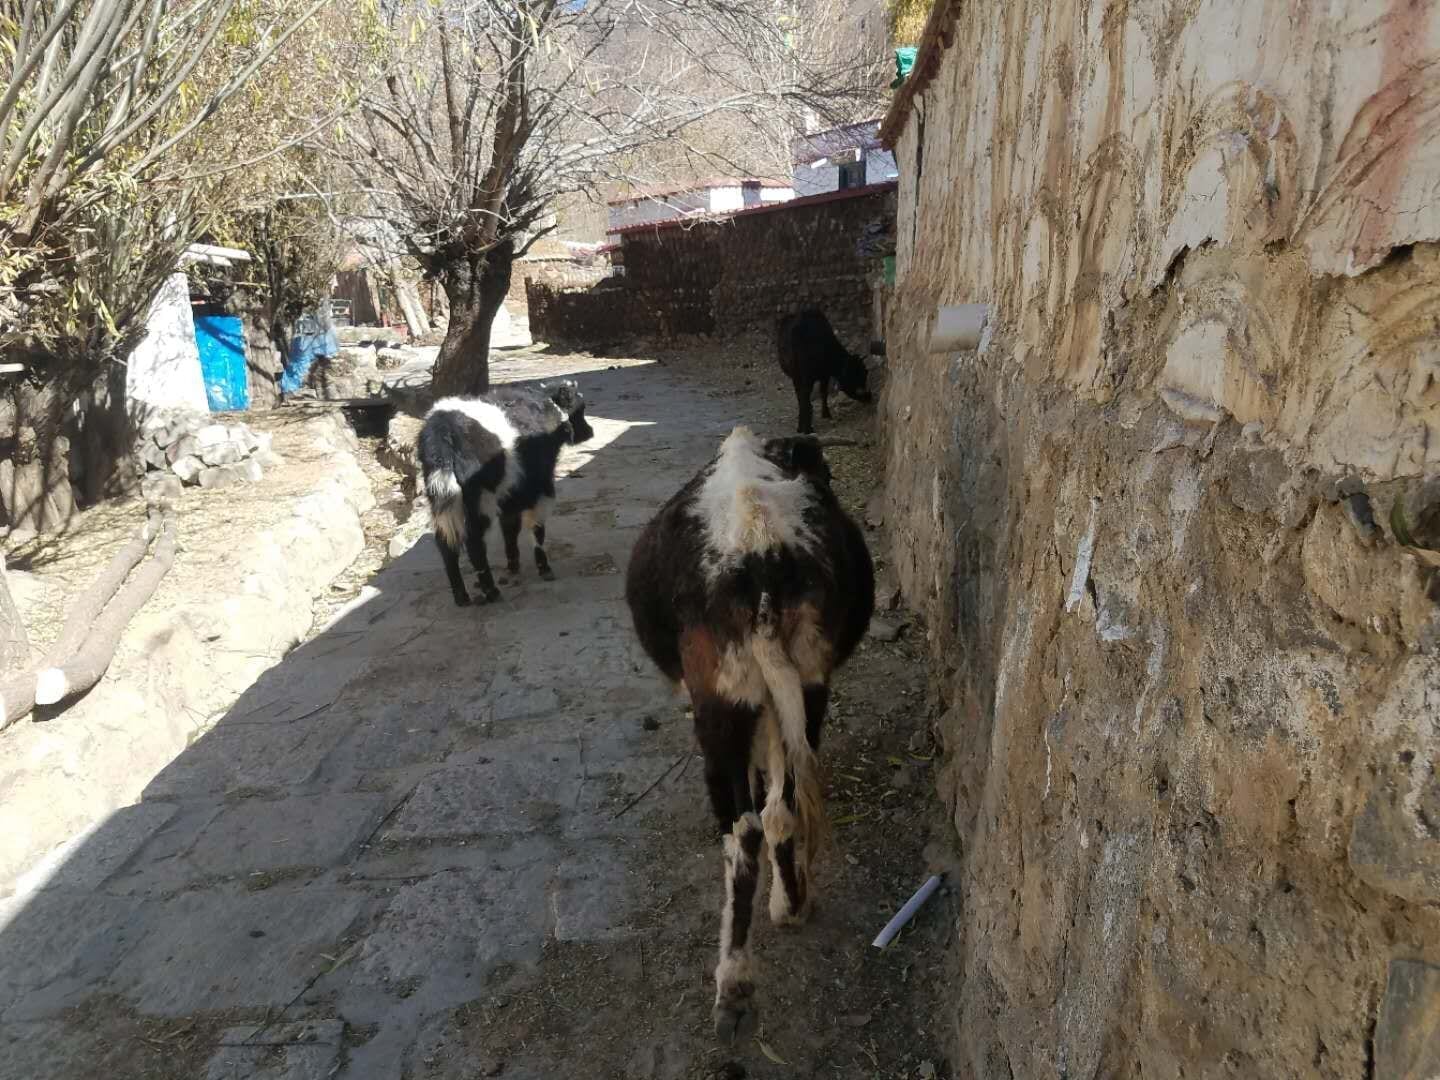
185 658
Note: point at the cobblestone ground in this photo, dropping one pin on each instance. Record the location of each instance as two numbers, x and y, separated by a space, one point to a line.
414 849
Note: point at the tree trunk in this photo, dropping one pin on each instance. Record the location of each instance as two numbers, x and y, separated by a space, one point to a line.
83 670
408 297
475 288
35 471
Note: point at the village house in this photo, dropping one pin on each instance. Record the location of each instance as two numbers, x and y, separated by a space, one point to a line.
840 158
702 198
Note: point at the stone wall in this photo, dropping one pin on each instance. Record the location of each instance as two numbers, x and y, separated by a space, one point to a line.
1176 527
728 276
556 272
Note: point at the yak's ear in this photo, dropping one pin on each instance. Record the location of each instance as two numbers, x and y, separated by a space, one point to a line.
799 455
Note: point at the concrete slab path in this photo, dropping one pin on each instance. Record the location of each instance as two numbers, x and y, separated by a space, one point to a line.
395 821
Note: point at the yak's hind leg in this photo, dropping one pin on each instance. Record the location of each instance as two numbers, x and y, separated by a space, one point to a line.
534 520
804 389
451 558
725 730
510 533
789 832
476 527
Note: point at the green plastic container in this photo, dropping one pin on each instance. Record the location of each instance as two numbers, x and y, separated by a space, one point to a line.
904 61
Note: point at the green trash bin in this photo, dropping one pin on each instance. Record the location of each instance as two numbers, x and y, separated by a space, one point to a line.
889 269
904 61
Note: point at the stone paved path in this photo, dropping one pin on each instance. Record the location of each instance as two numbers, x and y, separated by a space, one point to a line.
394 823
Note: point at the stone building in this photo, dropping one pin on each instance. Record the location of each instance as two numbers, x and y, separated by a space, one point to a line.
1175 527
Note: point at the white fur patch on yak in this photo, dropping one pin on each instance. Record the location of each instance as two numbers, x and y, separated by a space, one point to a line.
446 513
491 417
748 506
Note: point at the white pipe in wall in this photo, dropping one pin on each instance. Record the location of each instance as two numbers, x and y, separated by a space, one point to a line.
958 328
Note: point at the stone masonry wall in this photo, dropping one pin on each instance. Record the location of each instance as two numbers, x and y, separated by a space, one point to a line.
1176 528
728 276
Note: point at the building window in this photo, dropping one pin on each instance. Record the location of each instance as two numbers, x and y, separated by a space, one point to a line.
852 174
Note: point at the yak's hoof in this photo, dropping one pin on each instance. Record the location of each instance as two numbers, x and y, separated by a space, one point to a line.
786 919
461 599
513 568
490 596
735 1015
546 574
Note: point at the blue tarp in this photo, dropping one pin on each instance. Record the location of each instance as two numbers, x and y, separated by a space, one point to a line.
221 342
311 340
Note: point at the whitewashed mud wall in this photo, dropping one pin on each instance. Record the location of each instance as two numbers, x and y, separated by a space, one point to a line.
1177 529
164 369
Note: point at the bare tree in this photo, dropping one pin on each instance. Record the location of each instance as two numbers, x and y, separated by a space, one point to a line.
490 110
101 94
104 179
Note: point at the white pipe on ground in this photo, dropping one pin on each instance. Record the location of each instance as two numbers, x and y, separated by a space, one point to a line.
958 328
906 913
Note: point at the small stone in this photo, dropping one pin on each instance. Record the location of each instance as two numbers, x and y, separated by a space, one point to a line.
926 1070
251 471
651 723
188 468
1407 1042
886 630
1417 515
918 742
1349 485
856 1020
1390 849
1361 516
225 453
902 778
162 488
185 447
153 456
268 459
218 476
242 436
399 545
211 435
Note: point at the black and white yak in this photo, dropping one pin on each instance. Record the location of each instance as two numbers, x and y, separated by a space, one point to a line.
750 587
810 353
494 457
